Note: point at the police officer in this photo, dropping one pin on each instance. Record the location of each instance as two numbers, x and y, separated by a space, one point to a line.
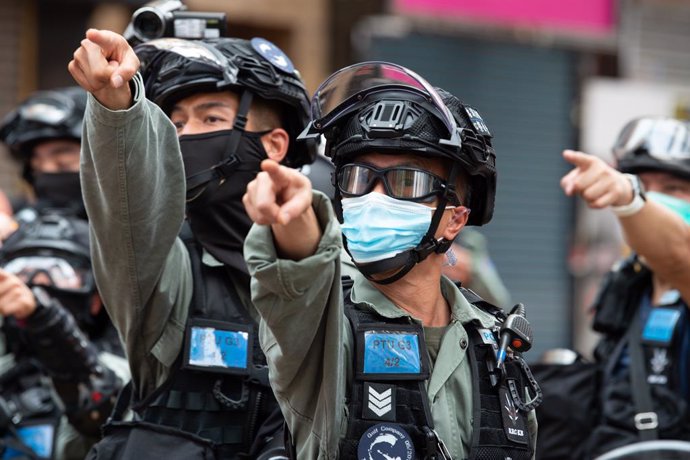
393 365
182 306
55 326
44 134
642 309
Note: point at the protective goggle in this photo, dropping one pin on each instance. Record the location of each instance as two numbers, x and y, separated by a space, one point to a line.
343 92
662 138
50 271
400 182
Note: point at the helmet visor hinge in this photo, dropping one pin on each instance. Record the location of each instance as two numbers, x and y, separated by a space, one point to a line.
387 119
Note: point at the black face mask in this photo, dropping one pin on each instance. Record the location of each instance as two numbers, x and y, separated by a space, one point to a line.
79 305
214 208
59 190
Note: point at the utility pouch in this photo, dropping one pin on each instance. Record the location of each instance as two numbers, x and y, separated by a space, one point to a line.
141 440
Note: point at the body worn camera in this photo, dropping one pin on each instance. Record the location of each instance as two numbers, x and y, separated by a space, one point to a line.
169 18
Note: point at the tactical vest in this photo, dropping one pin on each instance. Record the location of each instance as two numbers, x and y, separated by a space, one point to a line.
388 405
218 389
641 393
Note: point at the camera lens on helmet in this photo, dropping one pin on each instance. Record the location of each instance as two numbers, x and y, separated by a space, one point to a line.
148 24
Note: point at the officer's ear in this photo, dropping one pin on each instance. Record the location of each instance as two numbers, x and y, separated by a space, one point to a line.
456 222
276 144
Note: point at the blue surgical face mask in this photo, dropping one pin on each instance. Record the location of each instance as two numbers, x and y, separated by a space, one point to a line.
378 227
680 207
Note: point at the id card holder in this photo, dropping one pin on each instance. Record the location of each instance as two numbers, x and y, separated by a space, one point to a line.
39 436
218 346
660 326
391 352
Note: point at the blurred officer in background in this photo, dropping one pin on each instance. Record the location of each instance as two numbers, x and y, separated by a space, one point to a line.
392 364
642 309
44 135
56 331
182 305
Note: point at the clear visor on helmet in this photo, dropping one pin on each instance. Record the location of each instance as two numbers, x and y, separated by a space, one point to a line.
49 271
662 138
51 109
345 88
195 51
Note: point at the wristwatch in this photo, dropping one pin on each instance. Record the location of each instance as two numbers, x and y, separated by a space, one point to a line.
638 200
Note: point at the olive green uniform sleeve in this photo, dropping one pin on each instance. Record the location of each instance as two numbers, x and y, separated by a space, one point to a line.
134 189
301 332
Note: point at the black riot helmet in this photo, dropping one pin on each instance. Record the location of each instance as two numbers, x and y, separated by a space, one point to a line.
53 251
384 107
174 69
45 115
654 144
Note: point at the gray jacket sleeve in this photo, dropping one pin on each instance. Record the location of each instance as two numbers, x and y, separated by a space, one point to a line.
301 332
134 190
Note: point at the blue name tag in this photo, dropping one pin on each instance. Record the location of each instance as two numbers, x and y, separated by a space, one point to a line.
660 325
391 353
211 347
38 437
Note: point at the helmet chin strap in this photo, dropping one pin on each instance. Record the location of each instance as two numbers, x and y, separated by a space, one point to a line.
406 260
215 176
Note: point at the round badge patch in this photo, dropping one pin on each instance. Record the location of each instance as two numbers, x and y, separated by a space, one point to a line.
273 54
385 441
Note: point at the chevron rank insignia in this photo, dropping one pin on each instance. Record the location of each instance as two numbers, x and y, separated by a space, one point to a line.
379 402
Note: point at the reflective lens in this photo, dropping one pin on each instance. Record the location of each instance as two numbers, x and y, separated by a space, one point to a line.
48 271
346 87
403 183
662 138
187 48
195 50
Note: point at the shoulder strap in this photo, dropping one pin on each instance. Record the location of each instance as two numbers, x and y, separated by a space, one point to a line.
474 298
124 400
646 421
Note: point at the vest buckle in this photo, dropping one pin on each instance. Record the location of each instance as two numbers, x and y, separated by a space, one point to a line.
646 421
435 448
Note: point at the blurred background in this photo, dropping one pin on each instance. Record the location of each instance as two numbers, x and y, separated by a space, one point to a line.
545 75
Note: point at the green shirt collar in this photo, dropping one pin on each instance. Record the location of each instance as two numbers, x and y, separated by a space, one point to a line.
461 309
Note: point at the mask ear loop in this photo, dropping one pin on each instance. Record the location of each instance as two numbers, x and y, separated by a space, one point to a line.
408 259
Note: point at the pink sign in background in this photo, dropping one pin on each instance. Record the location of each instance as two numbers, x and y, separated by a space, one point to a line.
596 16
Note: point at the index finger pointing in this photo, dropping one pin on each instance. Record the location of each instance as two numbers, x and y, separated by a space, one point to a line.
579 159
120 56
278 175
110 42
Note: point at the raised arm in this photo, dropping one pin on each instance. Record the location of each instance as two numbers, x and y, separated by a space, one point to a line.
134 191
654 232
